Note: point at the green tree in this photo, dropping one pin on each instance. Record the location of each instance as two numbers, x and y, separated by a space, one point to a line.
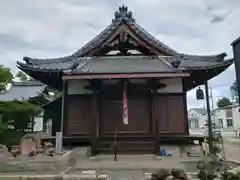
223 102
3 128
3 125
5 77
18 113
234 91
22 76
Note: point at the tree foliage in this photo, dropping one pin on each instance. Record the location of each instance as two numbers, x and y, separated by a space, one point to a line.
22 76
18 113
223 102
5 77
3 125
234 91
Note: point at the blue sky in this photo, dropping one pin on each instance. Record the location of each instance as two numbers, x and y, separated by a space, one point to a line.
53 28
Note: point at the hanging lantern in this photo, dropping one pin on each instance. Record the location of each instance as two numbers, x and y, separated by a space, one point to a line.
199 94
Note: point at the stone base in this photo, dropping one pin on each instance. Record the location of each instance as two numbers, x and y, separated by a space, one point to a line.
36 164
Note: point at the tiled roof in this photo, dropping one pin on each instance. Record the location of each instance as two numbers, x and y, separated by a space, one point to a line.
27 83
199 110
122 15
23 91
235 41
121 64
74 61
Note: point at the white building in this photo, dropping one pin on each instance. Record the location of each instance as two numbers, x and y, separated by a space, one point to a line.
197 118
223 117
226 120
236 116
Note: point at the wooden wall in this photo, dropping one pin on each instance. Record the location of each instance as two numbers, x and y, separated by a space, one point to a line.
78 115
138 115
170 113
169 110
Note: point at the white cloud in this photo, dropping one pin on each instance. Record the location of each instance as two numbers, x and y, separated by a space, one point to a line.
43 28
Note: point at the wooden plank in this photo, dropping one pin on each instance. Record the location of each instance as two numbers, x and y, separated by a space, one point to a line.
176 115
161 113
79 114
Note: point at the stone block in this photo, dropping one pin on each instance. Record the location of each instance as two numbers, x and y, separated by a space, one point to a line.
36 164
102 177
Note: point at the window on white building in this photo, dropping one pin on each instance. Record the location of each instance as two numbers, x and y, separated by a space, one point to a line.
193 123
229 113
229 122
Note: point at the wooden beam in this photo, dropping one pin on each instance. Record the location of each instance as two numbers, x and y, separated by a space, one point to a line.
94 124
121 76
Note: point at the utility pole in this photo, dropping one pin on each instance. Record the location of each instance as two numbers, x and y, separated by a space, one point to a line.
210 133
211 96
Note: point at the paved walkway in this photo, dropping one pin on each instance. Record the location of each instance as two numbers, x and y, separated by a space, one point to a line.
129 162
128 167
125 175
232 152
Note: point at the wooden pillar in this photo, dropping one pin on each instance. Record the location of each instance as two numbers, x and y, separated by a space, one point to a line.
151 113
94 124
185 112
185 106
64 108
155 131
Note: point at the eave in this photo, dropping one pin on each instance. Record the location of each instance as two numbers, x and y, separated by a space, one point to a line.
127 75
200 75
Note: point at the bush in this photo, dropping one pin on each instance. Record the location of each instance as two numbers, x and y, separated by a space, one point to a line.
202 175
11 137
226 175
161 174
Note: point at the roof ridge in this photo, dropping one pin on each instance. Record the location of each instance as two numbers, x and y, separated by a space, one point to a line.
219 56
27 83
